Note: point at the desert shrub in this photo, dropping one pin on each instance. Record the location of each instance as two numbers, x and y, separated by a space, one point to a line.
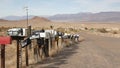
102 30
91 29
61 29
3 28
71 29
51 26
75 30
114 32
86 28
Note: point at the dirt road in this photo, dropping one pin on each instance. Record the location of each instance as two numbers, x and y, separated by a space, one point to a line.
94 52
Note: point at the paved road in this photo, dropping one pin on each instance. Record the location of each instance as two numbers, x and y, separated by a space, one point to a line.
93 52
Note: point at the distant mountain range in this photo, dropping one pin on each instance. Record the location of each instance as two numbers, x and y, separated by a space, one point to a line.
21 19
17 17
87 17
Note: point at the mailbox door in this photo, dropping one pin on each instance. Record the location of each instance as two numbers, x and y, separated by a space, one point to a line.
26 42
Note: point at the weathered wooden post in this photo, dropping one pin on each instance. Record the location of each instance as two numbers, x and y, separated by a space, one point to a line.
2 55
29 34
26 48
3 42
50 47
56 44
59 43
19 53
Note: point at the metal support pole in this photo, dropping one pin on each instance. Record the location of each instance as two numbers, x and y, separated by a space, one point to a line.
27 14
2 56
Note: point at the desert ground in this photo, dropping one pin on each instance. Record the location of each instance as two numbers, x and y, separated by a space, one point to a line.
100 48
94 52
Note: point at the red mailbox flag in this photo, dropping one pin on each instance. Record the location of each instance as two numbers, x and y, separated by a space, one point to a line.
5 40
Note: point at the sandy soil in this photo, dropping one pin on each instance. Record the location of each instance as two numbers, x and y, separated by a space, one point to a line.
94 52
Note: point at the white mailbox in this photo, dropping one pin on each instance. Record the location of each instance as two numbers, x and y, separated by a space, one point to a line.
45 35
17 32
40 35
53 33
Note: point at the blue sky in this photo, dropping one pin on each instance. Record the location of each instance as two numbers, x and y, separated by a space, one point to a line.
52 7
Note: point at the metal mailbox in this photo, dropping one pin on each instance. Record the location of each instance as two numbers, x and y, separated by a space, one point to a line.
17 32
40 35
53 33
5 40
45 35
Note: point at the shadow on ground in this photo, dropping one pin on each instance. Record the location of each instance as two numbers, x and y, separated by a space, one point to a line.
59 59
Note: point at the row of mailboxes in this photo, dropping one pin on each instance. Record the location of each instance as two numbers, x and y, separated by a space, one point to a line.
45 34
20 32
39 35
17 32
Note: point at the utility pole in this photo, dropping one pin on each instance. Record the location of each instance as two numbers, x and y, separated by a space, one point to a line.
26 8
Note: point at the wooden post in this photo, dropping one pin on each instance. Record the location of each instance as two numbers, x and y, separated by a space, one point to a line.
17 53
3 56
49 45
29 34
26 55
46 48
26 48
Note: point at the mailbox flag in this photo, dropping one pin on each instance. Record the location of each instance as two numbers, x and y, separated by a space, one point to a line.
5 40
26 42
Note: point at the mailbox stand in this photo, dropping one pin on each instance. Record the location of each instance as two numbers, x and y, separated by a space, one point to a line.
19 55
2 55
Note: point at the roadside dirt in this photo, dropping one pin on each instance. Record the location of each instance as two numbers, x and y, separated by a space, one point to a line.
94 52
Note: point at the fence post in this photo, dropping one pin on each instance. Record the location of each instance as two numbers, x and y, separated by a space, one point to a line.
3 56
